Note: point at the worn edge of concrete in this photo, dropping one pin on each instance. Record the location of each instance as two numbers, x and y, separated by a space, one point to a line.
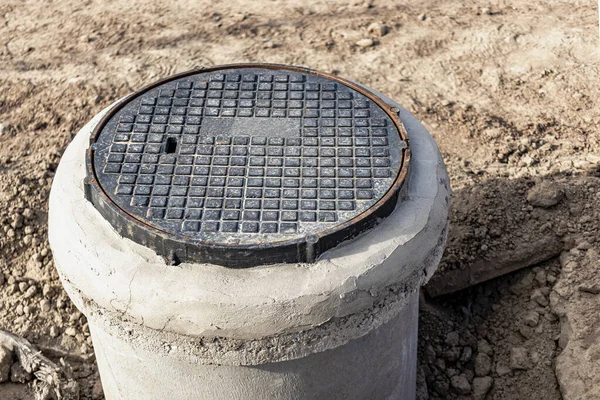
236 352
356 292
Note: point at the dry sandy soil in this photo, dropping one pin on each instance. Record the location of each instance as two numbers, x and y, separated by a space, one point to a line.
508 88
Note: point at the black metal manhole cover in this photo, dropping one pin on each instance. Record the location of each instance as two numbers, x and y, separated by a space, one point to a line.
245 165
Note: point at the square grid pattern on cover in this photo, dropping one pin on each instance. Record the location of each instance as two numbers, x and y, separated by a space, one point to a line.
251 183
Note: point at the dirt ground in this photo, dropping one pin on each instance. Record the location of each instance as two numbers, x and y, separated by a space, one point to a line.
509 89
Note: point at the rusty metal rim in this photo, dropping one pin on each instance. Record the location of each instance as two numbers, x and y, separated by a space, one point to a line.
393 190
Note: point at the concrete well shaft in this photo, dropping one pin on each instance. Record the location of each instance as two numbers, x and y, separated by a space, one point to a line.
378 366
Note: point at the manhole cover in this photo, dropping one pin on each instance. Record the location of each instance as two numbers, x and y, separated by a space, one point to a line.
245 165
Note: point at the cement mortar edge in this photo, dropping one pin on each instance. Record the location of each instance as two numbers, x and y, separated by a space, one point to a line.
290 346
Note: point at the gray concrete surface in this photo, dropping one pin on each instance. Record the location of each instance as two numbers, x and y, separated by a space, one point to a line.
365 368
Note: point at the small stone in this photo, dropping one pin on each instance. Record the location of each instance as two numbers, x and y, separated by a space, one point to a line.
47 290
377 29
467 353
17 221
483 346
30 292
540 277
519 358
367 4
545 194
526 161
54 332
483 364
441 388
452 339
482 330
97 392
584 245
45 305
452 354
12 288
422 17
75 316
460 384
523 284
239 17
535 357
71 331
28 213
486 11
526 332
18 374
481 387
6 361
23 286
532 318
502 369
538 297
469 374
365 43
441 364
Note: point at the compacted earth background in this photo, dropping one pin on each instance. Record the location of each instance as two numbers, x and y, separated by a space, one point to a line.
509 89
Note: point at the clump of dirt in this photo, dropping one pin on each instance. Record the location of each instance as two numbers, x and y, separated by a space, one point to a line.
532 325
486 342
